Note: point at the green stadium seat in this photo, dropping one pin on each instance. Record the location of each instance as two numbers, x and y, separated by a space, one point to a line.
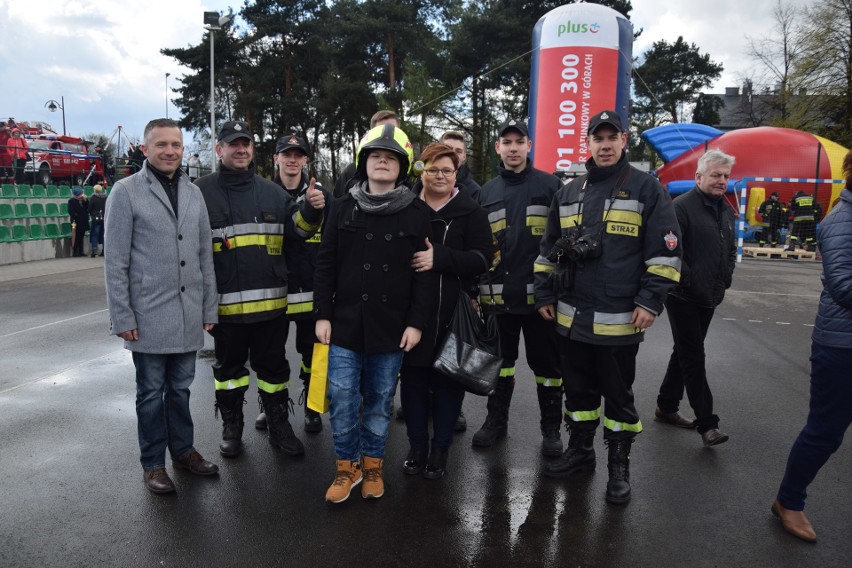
6 211
65 229
5 235
25 191
39 191
8 191
37 210
22 211
20 233
51 231
63 210
52 210
64 191
52 191
36 231
88 190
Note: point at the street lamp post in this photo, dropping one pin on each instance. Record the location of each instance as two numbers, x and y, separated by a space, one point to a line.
52 105
167 94
213 22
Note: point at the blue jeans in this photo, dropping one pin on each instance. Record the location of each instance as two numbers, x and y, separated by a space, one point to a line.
162 406
353 378
96 234
829 418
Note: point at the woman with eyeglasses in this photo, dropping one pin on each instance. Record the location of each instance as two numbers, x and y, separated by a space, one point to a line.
458 250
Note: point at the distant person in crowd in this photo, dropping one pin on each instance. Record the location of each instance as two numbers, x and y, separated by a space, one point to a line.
609 257
78 210
458 251
7 161
773 214
709 256
831 360
193 167
346 179
291 159
109 172
371 305
97 206
804 213
251 219
464 179
18 148
136 157
161 293
517 202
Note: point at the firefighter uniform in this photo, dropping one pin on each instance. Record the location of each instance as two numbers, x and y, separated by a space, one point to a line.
773 213
251 218
804 212
639 262
517 205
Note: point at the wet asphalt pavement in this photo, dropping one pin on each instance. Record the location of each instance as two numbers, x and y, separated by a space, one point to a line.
71 490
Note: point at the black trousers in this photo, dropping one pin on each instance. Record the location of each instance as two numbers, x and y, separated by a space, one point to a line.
442 405
595 371
262 345
540 341
79 238
305 338
689 324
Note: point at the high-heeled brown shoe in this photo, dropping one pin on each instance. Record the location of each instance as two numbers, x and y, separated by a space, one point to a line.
795 522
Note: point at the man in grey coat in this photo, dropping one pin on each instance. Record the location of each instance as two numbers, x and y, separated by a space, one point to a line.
161 292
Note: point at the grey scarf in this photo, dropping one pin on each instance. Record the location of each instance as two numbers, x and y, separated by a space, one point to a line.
388 203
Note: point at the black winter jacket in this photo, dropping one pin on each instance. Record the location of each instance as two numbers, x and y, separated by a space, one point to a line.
709 248
461 241
363 281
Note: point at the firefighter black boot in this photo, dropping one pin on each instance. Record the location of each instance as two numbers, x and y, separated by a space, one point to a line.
578 456
497 421
313 422
260 421
229 403
277 420
550 405
618 486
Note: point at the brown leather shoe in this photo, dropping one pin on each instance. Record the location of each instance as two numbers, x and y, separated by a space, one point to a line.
673 418
714 437
196 464
158 481
794 522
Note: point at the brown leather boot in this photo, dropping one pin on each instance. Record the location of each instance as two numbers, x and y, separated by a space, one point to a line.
795 522
158 481
374 485
348 476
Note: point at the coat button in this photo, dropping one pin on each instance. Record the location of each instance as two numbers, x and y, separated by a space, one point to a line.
401 234
365 297
183 288
385 267
180 237
388 237
183 263
384 298
367 266
369 236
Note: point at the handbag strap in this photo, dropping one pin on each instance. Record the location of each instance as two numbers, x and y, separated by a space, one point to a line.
487 275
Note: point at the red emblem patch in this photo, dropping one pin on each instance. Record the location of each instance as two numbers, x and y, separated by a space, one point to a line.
671 241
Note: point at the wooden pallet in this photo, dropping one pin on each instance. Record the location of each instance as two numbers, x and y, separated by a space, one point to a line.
757 252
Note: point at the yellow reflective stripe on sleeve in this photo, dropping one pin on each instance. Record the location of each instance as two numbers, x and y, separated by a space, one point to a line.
271 388
665 272
497 220
611 424
565 314
507 372
543 266
271 241
305 368
231 384
498 226
614 324
303 228
531 293
485 296
548 382
300 303
583 415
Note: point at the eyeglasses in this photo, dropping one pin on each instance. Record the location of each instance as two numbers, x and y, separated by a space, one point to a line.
432 172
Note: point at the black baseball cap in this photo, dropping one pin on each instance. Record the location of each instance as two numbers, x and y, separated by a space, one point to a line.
609 117
511 124
234 129
291 141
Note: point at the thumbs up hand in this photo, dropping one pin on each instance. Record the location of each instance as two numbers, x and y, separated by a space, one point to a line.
314 196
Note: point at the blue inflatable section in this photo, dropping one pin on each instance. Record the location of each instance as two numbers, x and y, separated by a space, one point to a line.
672 140
683 185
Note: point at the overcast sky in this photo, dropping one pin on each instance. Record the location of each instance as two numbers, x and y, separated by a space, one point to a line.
104 57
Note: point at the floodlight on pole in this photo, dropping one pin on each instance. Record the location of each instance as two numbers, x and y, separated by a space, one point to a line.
213 22
52 105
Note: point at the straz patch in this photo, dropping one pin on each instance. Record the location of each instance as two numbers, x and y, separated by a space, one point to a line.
622 194
270 218
625 229
671 241
273 250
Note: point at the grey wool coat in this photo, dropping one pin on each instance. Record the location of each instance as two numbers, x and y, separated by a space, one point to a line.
159 269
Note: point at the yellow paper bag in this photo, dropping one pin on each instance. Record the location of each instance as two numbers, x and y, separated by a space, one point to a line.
318 392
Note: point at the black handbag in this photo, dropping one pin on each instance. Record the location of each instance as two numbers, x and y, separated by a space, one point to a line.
470 352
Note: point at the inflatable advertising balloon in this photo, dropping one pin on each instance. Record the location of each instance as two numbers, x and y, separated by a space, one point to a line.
581 65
